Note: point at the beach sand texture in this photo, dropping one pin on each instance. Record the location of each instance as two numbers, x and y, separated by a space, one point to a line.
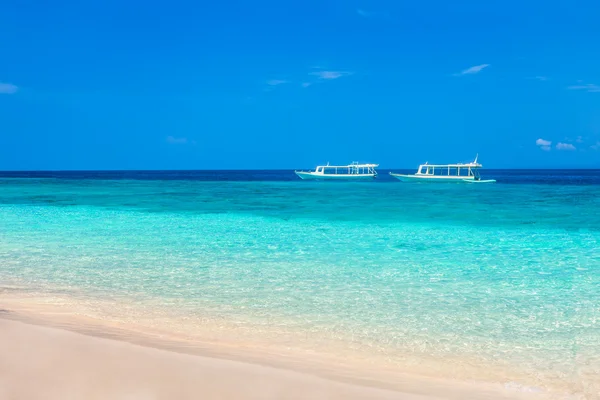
45 363
40 362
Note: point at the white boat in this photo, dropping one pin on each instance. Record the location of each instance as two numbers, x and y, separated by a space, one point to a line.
458 173
354 171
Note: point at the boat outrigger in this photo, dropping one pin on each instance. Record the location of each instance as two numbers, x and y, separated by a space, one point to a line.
458 173
341 172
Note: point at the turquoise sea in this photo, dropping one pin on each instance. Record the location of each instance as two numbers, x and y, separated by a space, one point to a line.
502 277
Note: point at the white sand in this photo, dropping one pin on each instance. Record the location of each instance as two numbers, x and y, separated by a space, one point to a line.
45 363
43 357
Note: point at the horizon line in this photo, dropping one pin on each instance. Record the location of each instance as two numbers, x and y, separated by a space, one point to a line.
270 169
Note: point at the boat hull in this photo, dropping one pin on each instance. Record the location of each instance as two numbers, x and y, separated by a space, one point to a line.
434 178
483 181
334 177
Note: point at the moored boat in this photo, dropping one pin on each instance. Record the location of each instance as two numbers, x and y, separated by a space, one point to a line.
354 171
458 173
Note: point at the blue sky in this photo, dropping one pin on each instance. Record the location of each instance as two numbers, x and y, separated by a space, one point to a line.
275 84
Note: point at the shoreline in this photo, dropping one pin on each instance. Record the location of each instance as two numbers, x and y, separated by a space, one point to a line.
316 366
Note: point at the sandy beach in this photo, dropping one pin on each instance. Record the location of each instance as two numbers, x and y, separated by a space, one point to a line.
42 362
46 363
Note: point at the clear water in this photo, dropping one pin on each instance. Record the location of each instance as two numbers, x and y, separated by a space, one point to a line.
503 275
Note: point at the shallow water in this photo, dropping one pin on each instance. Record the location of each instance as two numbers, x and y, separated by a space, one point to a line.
504 275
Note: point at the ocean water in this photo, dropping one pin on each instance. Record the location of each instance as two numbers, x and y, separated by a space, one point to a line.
502 280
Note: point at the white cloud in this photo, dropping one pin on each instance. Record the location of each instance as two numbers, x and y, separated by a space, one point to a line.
588 87
596 146
276 82
579 139
329 75
473 70
176 140
565 146
319 73
8 88
544 144
364 13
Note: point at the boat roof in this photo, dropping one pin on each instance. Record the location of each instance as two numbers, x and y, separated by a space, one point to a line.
472 164
354 164
461 165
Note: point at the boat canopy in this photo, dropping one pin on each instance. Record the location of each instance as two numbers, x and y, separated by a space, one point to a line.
459 165
470 169
351 169
430 168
